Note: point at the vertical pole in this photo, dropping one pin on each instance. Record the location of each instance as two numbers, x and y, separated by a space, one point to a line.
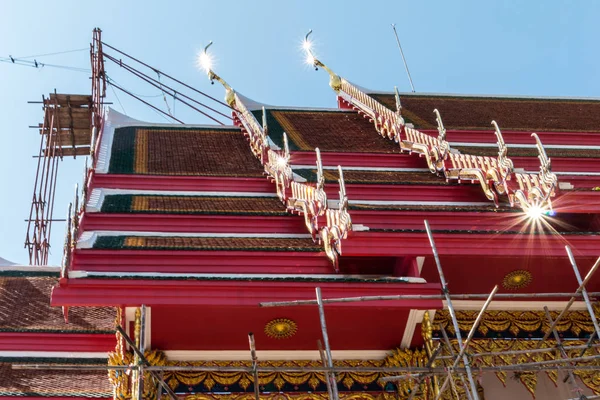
142 347
326 374
451 351
332 381
403 58
254 365
584 292
452 313
562 351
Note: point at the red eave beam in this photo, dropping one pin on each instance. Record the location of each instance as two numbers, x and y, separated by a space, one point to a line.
119 292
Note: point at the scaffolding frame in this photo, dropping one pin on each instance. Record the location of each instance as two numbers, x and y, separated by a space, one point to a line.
459 368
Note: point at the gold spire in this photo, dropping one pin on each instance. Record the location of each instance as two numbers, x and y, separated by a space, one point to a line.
334 80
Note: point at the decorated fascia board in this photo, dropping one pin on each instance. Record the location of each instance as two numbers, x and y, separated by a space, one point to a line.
496 176
114 120
298 197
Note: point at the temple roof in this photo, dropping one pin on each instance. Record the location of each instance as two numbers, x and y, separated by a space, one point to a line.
514 113
52 383
25 307
173 150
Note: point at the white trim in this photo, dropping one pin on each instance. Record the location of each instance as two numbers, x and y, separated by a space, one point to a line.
385 169
279 355
114 120
515 305
416 203
414 317
88 238
97 196
526 146
325 277
30 268
53 354
420 261
570 173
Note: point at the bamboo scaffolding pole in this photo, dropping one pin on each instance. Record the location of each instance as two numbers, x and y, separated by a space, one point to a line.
516 352
465 346
324 362
254 365
562 351
475 296
137 351
446 293
584 292
572 299
546 365
451 351
332 381
430 362
142 339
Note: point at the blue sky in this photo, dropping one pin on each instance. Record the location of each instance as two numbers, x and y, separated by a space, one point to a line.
541 48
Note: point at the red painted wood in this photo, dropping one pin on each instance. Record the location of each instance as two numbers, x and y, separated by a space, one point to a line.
519 137
226 328
126 292
73 342
416 244
559 164
186 261
187 183
549 274
193 223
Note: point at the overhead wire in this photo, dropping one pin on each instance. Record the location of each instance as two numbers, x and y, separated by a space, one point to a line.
54 54
169 90
167 75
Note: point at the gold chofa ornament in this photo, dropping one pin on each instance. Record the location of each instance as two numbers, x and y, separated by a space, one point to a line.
280 328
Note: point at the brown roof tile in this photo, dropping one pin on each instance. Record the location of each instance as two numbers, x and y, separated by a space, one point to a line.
331 131
25 307
53 383
206 243
193 205
377 177
510 113
182 151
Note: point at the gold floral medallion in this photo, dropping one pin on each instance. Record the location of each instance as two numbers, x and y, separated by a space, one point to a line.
518 279
280 328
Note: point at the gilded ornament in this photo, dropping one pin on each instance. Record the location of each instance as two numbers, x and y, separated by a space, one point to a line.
281 328
517 279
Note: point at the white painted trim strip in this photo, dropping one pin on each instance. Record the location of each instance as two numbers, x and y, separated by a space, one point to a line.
233 355
326 277
52 354
30 268
96 199
375 169
514 305
416 203
88 238
526 146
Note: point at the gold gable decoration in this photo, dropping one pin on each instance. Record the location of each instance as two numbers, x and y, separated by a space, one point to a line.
518 321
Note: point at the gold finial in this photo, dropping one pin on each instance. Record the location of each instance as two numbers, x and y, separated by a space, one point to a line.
206 62
546 175
334 80
343 196
397 98
440 126
320 176
503 160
